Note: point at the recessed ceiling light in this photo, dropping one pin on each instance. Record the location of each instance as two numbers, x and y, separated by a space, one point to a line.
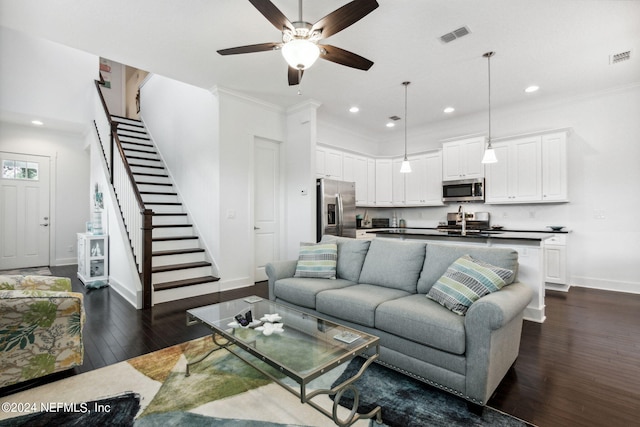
390 124
449 110
36 123
532 89
354 109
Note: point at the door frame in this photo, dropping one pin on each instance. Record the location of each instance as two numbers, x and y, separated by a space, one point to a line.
252 200
53 157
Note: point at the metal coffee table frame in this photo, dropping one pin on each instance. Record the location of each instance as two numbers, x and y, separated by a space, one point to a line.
225 339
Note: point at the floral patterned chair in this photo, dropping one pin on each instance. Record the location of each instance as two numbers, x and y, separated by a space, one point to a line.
41 324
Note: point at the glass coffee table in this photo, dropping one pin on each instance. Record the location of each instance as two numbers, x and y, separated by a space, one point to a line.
294 344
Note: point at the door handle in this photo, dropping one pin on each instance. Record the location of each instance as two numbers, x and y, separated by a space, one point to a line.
44 225
256 228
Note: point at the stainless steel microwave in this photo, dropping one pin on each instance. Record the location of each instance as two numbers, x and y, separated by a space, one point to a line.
463 190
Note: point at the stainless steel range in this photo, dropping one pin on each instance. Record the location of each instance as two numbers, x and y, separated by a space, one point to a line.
471 222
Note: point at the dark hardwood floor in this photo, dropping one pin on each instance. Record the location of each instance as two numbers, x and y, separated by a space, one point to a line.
579 368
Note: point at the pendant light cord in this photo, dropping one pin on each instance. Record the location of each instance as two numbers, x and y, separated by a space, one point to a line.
405 118
488 55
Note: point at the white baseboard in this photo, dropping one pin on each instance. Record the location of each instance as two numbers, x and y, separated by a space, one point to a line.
227 285
534 315
64 261
131 296
606 285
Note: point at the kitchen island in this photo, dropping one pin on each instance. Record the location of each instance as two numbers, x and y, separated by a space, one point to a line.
528 244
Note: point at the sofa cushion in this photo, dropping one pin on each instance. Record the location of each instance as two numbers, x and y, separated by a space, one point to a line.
317 260
439 257
351 254
466 281
356 303
10 282
303 291
393 264
421 320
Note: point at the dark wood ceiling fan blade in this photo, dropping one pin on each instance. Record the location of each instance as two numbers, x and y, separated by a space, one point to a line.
261 47
272 13
344 16
294 75
344 57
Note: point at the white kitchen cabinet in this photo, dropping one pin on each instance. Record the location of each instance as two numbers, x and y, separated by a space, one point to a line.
555 262
384 182
328 163
371 182
423 186
93 260
517 176
399 183
355 170
463 159
554 167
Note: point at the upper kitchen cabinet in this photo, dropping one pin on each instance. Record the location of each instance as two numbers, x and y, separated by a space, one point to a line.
328 163
516 177
554 167
530 169
423 186
463 159
356 169
384 182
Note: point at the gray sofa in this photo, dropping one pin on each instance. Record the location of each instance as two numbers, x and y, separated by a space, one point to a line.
381 288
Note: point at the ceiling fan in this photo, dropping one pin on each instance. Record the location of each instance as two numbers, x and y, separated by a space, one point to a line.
300 46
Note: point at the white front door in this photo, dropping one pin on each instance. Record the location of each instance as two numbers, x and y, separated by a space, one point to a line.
266 204
24 211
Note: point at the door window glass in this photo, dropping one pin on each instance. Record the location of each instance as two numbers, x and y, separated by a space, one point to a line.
15 169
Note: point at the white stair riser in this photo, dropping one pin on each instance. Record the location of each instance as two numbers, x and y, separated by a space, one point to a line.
188 273
146 161
146 169
185 292
124 120
135 151
164 208
172 219
157 261
159 198
172 232
133 132
147 178
141 142
151 187
175 244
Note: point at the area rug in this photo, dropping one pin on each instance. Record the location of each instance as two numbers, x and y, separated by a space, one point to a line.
31 271
152 390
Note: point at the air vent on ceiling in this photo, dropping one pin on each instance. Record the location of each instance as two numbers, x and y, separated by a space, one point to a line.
619 57
394 118
455 34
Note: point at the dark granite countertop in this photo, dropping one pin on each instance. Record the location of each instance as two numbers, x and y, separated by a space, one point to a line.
505 234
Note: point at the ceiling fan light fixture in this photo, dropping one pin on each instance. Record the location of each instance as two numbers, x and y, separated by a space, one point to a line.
300 53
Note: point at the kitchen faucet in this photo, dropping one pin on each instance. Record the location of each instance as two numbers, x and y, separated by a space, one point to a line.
463 220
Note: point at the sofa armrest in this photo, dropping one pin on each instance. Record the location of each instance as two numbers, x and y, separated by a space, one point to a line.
493 327
40 333
279 270
45 283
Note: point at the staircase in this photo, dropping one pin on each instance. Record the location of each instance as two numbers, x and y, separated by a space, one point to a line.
180 266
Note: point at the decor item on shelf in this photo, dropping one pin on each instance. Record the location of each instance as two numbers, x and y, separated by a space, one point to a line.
489 153
98 205
300 39
406 166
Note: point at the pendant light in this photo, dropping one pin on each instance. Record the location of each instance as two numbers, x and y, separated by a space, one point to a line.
406 166
489 153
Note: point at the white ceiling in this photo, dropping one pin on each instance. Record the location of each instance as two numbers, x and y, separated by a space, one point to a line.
561 45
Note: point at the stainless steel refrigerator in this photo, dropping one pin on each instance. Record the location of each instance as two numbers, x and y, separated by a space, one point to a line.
336 208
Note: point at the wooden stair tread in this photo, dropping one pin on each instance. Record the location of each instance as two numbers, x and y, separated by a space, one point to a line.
169 238
160 193
164 184
185 266
178 252
172 226
169 214
146 166
186 282
160 175
163 203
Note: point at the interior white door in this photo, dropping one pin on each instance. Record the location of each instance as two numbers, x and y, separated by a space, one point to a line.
266 204
24 209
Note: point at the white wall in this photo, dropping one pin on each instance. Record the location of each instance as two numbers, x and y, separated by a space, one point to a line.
69 181
43 80
603 174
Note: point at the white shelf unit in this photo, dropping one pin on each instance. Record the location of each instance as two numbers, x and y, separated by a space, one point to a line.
93 259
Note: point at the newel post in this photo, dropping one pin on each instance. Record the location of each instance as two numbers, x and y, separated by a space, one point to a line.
147 230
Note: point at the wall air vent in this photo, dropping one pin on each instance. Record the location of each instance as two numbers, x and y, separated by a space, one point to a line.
619 57
455 34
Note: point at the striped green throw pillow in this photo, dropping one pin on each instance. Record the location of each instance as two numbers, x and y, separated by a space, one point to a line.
466 281
317 260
